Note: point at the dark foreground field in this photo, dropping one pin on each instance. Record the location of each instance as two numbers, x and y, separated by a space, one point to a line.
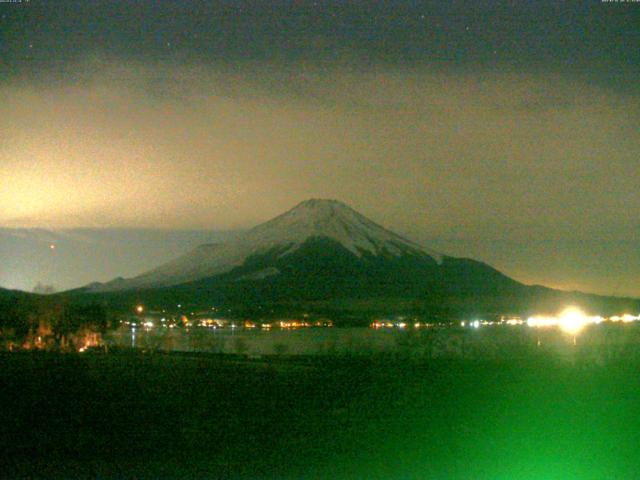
177 416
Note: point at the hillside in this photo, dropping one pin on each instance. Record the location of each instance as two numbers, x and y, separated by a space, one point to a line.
325 257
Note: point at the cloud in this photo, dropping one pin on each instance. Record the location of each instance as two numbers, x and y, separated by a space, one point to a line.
152 144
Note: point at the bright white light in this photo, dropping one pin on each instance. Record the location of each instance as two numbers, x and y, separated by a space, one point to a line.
476 324
572 320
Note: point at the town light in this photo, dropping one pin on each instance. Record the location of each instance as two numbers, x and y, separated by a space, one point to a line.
139 309
572 320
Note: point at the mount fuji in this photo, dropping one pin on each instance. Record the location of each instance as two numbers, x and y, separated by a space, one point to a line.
325 235
309 222
324 252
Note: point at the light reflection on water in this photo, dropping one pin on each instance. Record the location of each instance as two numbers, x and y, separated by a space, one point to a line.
598 341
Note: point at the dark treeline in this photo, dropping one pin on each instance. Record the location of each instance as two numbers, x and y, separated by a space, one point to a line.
35 321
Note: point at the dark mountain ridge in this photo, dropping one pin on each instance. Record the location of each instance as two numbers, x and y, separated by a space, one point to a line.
323 256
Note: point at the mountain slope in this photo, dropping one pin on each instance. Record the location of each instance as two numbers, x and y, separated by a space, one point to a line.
322 269
286 234
323 256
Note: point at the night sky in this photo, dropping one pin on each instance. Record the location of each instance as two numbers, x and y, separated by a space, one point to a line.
504 131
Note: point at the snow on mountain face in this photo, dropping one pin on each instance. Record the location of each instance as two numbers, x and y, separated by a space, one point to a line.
332 219
311 218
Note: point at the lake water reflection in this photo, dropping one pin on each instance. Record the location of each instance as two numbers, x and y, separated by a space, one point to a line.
597 342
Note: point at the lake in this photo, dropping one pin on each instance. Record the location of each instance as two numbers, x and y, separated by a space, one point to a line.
596 343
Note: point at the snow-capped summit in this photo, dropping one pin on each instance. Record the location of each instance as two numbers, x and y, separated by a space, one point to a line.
332 219
286 233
